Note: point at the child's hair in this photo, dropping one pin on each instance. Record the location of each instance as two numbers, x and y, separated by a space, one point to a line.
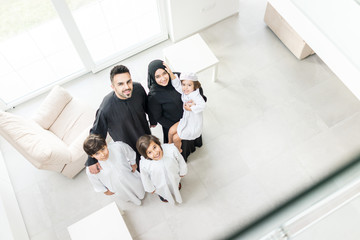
190 76
197 85
93 143
143 144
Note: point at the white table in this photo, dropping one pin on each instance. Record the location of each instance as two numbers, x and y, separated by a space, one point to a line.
191 55
106 223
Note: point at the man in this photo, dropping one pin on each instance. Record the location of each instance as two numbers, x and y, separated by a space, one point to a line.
121 113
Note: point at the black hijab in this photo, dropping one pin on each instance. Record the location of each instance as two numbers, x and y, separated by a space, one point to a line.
152 84
152 68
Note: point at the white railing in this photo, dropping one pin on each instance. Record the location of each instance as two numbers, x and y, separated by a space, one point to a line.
300 223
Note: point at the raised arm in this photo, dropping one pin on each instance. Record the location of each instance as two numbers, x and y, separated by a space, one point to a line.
175 81
177 84
167 68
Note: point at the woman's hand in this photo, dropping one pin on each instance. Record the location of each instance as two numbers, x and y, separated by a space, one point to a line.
134 167
188 105
172 76
187 108
108 192
95 168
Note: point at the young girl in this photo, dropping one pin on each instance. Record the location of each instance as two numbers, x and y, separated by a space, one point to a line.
190 125
118 169
161 168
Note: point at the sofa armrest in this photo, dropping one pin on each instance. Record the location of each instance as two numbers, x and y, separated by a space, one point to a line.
41 147
52 107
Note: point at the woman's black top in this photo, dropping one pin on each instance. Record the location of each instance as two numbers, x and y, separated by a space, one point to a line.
166 108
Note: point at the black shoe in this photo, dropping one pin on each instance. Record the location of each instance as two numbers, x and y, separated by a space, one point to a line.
179 186
163 199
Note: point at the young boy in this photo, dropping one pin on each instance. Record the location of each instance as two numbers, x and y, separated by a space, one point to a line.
118 174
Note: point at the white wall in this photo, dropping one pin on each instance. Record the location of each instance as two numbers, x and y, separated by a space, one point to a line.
322 44
338 21
189 16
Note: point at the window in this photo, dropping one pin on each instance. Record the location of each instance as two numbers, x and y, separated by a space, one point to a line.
47 42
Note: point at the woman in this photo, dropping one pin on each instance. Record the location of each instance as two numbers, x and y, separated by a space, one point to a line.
165 105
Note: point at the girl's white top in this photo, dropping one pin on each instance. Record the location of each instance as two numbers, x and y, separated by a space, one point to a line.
163 176
191 123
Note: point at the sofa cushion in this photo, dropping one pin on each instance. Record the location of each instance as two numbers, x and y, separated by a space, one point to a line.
52 107
39 146
72 121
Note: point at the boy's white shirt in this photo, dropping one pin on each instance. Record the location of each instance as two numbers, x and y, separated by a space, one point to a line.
123 165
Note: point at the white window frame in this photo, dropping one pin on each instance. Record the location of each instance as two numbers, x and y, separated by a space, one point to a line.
76 38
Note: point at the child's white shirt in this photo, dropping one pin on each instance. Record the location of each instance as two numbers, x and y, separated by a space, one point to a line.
191 123
163 176
116 175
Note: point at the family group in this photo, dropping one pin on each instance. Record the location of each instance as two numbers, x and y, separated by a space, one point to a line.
135 161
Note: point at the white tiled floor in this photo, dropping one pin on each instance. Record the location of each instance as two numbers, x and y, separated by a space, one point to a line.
273 126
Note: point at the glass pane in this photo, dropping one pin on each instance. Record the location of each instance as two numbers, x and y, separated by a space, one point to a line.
111 26
35 49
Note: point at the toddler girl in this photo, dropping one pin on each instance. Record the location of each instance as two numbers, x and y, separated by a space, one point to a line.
190 125
161 168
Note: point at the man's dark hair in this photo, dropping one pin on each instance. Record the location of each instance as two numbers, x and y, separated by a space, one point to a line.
118 69
143 144
93 143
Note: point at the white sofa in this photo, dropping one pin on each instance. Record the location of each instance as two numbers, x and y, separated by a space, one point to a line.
53 138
